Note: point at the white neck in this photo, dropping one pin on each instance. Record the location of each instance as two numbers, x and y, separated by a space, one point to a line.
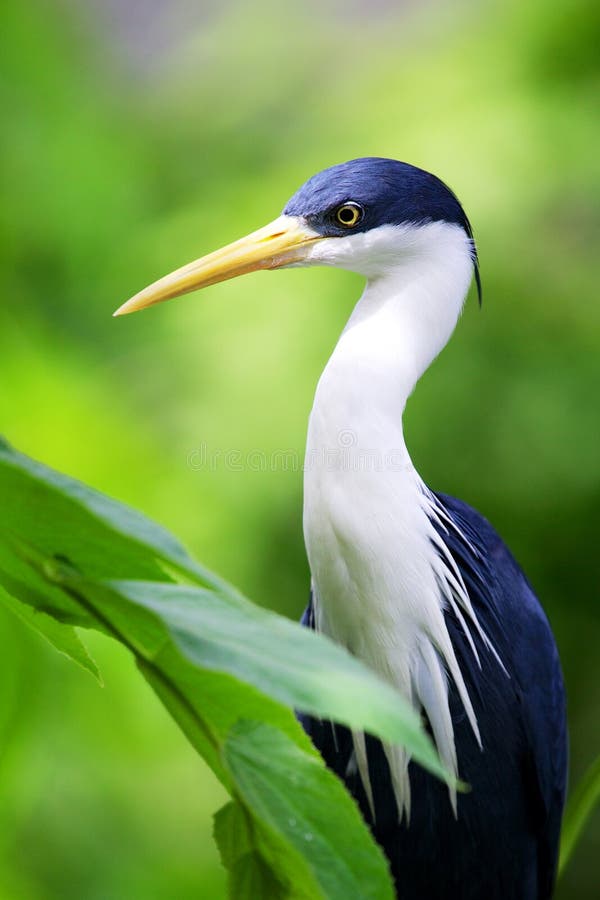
407 312
379 582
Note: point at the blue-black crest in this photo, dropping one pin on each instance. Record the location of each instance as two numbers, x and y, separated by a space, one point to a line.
365 193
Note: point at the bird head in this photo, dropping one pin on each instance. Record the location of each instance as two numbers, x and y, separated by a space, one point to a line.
365 215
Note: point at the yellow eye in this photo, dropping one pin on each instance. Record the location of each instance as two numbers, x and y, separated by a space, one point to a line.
349 214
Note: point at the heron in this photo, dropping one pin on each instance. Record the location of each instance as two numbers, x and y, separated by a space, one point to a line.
415 583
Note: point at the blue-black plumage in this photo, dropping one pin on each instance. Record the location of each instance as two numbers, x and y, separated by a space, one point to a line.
503 842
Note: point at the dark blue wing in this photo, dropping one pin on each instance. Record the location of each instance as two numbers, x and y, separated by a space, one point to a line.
504 843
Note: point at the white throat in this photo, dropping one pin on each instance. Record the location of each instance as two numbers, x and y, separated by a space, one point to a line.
381 580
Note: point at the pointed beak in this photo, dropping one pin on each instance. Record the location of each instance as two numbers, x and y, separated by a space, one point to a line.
283 242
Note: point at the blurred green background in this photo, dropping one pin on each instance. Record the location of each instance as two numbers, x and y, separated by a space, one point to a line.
137 136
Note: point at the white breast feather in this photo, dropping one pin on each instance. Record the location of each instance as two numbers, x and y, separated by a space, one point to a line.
382 575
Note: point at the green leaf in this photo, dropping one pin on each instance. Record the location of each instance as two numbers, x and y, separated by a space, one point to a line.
276 864
63 638
204 703
248 844
250 875
282 659
65 532
99 536
584 799
233 834
251 878
291 869
228 671
284 787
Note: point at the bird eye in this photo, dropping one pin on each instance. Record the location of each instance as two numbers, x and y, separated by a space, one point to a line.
349 214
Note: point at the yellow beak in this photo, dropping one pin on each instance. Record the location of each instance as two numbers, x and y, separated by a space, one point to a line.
282 242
